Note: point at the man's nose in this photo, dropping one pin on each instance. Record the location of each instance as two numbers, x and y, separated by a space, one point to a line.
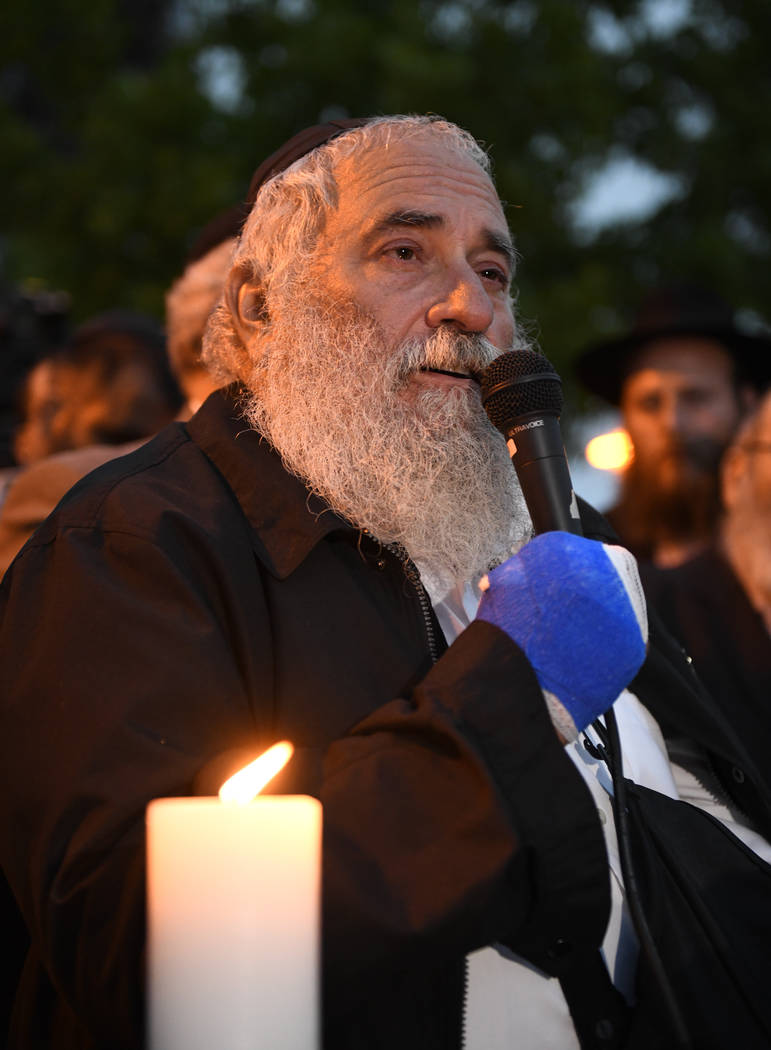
664 414
673 416
463 301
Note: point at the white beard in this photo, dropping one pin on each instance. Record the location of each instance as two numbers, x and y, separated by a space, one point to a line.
420 467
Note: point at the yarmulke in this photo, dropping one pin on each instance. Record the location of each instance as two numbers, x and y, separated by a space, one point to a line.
300 144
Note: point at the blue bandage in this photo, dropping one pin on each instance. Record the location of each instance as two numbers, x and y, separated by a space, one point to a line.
576 609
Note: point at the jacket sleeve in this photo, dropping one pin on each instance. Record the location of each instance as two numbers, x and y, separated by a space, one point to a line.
452 817
454 820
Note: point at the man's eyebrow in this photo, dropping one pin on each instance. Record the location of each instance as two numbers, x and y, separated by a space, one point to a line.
499 242
495 241
406 217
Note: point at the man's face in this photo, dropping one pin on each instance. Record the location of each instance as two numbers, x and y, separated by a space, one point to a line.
747 488
760 452
350 379
746 525
418 241
680 408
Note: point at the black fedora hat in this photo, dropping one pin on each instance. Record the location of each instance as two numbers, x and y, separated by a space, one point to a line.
672 310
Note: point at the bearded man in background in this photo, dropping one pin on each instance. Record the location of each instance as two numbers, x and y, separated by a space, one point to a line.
683 377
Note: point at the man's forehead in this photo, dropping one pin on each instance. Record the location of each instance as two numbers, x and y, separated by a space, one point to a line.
420 174
684 355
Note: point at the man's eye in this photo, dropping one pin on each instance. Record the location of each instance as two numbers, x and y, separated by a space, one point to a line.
404 252
492 273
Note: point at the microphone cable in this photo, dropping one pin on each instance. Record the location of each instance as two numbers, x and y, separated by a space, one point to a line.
610 753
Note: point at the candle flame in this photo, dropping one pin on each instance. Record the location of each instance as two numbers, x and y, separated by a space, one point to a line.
611 451
248 782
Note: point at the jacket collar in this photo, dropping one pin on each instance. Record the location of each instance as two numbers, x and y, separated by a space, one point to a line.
287 519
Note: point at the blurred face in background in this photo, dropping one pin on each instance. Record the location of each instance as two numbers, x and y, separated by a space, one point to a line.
680 407
40 404
746 489
746 477
68 405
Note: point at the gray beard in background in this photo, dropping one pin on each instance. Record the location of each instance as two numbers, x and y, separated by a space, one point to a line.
420 467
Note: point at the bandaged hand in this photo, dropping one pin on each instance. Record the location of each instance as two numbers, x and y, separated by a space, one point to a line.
576 608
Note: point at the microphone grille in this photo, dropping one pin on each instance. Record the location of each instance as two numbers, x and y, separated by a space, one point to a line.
518 383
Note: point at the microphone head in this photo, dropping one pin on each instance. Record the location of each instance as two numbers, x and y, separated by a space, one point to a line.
517 384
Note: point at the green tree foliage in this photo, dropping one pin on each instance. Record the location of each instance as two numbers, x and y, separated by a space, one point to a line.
126 125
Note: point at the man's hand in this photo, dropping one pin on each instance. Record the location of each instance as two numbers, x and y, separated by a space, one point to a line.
576 608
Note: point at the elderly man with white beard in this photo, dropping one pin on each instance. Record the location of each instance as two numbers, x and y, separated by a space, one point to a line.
302 560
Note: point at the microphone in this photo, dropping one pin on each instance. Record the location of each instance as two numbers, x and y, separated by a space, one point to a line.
522 395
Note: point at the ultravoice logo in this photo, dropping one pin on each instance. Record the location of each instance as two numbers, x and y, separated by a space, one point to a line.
527 426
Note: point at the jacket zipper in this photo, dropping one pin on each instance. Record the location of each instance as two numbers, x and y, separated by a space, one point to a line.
464 1003
413 575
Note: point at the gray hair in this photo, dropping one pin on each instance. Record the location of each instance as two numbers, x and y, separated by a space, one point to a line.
189 302
289 215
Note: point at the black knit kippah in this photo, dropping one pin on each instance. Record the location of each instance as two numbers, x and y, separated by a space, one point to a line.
300 144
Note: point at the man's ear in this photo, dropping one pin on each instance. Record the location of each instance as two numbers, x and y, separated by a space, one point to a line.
246 302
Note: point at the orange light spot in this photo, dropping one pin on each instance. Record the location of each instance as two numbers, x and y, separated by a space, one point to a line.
612 451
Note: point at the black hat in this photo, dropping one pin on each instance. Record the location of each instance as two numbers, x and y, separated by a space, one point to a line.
230 222
672 310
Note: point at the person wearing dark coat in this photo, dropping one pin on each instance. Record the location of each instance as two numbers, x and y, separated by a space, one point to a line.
303 559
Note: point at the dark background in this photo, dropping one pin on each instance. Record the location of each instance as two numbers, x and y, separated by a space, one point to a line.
127 124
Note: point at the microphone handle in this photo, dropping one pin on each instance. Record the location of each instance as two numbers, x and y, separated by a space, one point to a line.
538 454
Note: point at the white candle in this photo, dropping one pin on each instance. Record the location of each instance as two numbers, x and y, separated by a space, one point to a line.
233 917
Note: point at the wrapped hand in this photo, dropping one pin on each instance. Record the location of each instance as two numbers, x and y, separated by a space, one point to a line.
576 608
